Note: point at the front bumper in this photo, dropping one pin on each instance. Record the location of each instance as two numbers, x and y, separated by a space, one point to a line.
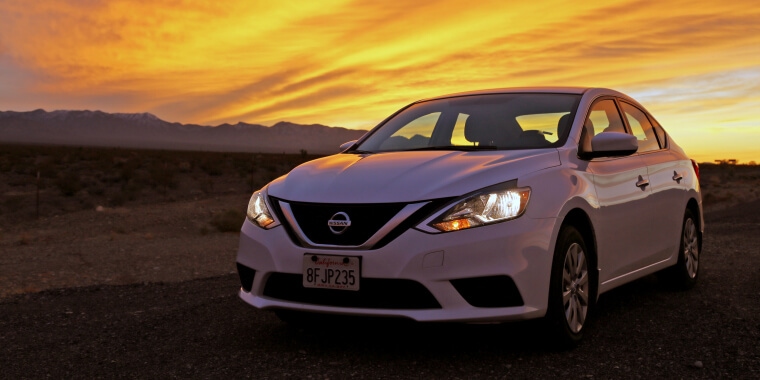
520 250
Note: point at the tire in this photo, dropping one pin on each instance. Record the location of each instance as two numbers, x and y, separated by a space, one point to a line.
685 273
572 290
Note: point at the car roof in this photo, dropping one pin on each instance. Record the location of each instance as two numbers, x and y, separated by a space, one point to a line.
547 90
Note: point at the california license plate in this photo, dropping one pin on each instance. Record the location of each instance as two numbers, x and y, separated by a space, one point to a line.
331 272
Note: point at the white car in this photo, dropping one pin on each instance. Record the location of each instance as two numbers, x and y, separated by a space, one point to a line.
484 206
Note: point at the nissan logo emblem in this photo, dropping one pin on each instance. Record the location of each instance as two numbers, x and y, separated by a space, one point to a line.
339 223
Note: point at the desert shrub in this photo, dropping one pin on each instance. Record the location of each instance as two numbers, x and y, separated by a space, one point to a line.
163 177
5 165
117 199
128 192
132 190
24 168
48 169
97 189
206 185
21 181
126 174
68 183
24 239
212 167
228 220
13 203
185 167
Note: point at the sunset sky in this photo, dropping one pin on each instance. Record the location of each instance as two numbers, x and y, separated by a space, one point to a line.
694 64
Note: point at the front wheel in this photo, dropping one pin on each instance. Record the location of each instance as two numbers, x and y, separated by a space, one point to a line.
572 288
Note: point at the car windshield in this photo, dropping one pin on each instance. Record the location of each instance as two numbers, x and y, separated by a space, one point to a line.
477 122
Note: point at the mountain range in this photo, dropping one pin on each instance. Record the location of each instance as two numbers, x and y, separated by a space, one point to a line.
145 130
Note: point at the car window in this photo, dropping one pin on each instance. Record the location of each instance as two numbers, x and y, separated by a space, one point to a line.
547 124
477 122
661 135
603 117
415 134
457 136
641 128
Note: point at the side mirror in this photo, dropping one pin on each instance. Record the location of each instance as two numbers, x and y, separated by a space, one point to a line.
612 144
347 145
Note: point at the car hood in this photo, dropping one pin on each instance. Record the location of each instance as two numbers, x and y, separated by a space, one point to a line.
405 176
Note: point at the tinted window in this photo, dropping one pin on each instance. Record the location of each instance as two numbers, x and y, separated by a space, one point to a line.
550 125
415 135
496 121
641 128
661 135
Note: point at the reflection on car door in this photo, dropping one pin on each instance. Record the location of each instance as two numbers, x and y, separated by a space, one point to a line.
623 217
667 178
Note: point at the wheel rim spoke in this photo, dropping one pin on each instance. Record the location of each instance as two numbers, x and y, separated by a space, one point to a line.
575 285
566 298
566 278
691 248
583 298
583 280
580 263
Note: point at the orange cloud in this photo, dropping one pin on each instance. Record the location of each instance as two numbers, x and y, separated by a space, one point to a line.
695 64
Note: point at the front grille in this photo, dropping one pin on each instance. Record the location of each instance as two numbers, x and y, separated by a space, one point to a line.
366 220
374 293
493 291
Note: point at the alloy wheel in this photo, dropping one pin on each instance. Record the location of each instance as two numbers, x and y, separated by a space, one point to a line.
575 287
691 247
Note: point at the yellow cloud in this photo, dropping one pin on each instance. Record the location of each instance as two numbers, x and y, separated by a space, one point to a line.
694 64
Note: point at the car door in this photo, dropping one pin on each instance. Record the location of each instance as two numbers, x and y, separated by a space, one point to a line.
666 181
622 218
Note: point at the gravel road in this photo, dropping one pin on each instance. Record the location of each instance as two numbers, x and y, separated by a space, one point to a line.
200 329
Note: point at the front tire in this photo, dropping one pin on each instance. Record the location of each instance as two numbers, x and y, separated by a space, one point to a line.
572 288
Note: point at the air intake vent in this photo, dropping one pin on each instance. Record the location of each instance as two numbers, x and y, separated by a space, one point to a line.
374 293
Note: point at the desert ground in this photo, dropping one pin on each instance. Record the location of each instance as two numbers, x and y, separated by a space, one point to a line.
121 263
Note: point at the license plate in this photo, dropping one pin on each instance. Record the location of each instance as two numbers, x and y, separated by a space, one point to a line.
331 272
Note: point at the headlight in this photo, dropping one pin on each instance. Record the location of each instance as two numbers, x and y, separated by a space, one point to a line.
259 213
491 205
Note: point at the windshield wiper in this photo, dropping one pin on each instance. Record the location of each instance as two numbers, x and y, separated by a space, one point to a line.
465 148
357 151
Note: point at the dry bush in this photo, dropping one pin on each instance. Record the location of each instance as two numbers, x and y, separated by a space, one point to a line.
228 220
81 178
68 183
24 239
212 167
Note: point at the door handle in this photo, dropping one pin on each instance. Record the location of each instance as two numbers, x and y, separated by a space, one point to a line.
642 183
677 177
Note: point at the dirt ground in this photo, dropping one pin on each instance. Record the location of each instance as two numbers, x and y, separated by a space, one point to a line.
199 328
167 242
